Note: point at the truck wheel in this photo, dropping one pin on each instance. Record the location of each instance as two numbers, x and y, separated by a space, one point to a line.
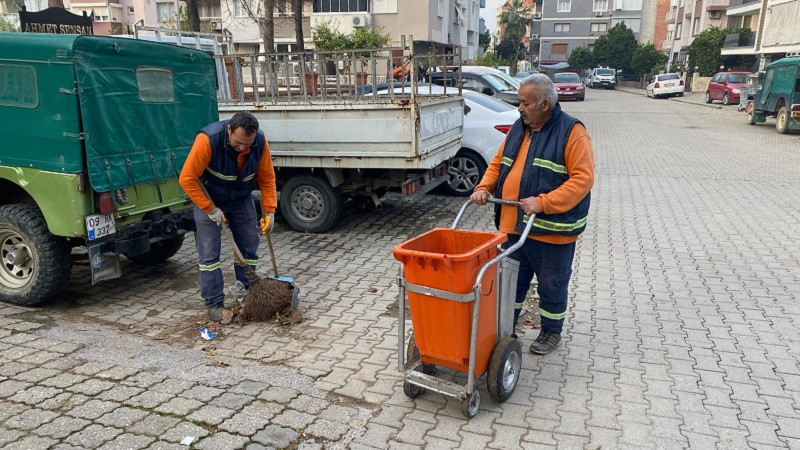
465 172
782 121
309 203
34 264
751 113
160 251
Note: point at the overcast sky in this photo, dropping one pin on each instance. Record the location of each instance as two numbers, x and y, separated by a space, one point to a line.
488 14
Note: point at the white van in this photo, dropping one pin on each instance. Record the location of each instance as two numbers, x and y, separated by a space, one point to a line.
604 77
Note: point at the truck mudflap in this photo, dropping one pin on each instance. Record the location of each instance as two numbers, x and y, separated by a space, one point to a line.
134 240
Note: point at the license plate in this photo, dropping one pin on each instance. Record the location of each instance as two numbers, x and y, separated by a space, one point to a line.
100 225
567 93
669 84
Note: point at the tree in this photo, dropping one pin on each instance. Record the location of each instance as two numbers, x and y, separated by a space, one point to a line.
327 37
490 59
192 15
261 12
581 58
7 25
297 13
615 49
485 39
515 21
647 57
705 52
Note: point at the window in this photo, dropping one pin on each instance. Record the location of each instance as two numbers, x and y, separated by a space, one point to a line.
566 78
599 27
633 24
130 9
670 34
440 10
564 5
558 49
214 10
18 86
696 27
629 5
678 29
562 27
155 84
600 5
166 11
490 103
341 6
737 78
669 76
473 84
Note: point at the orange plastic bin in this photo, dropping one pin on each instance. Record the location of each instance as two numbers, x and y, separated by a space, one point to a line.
450 259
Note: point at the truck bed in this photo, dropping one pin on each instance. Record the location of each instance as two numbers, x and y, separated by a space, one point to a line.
369 134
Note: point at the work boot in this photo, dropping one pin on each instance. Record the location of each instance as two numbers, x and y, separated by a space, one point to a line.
545 343
215 313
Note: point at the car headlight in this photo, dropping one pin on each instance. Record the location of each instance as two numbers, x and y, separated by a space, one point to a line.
736 91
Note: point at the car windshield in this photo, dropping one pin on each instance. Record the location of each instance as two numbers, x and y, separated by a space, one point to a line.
487 102
668 76
605 71
566 78
509 79
737 78
498 83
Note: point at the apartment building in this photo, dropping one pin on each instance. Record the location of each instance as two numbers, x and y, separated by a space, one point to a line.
663 31
690 18
568 24
432 23
774 29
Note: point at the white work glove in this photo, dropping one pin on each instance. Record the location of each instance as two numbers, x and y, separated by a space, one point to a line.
217 216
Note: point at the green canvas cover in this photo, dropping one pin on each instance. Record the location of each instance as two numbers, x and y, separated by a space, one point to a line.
142 103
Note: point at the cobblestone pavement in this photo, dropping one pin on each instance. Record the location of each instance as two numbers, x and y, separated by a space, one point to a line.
683 328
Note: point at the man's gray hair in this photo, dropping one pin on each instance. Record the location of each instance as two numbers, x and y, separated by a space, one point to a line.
545 89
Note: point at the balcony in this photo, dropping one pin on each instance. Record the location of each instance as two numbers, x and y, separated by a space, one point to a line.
670 16
743 7
666 46
739 43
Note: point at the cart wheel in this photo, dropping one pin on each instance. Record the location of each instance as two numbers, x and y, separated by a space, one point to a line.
504 368
412 352
469 406
412 390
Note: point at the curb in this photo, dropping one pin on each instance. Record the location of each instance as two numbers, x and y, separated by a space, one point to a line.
707 105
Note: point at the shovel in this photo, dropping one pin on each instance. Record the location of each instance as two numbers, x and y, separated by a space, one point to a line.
295 316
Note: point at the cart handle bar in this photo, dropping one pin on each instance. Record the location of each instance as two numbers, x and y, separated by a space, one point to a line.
509 250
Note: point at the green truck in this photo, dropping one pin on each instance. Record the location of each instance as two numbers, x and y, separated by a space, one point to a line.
95 131
778 97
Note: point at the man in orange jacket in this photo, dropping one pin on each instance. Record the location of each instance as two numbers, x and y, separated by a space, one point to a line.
229 157
547 163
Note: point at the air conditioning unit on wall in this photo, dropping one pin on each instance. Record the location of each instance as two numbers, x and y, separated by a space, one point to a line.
361 21
598 13
537 15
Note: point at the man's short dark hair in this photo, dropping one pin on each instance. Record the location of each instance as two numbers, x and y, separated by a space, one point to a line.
244 120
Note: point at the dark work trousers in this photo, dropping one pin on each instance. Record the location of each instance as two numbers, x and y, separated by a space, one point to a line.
552 265
243 222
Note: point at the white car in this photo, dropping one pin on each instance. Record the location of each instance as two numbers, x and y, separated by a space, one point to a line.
486 123
665 85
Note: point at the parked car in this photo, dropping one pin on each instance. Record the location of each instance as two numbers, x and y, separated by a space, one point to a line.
602 77
484 83
569 86
665 85
500 73
726 86
779 96
521 75
486 123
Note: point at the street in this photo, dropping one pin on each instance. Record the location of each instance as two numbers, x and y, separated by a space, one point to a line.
683 328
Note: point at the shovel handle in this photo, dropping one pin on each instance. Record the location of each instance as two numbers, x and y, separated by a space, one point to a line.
236 252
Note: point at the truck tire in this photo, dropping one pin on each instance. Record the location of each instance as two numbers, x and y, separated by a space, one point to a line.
309 203
34 264
782 121
751 113
465 172
160 251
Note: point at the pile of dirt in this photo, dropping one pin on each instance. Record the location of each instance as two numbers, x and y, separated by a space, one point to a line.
266 299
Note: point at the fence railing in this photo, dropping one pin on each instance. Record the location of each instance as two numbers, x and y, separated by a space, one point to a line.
735 40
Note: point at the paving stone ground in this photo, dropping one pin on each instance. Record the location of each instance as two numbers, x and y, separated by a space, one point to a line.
683 326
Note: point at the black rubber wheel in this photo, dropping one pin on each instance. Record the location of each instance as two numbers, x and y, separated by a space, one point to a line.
465 172
309 203
726 100
708 97
412 351
160 251
505 365
34 264
680 94
470 405
412 390
782 121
